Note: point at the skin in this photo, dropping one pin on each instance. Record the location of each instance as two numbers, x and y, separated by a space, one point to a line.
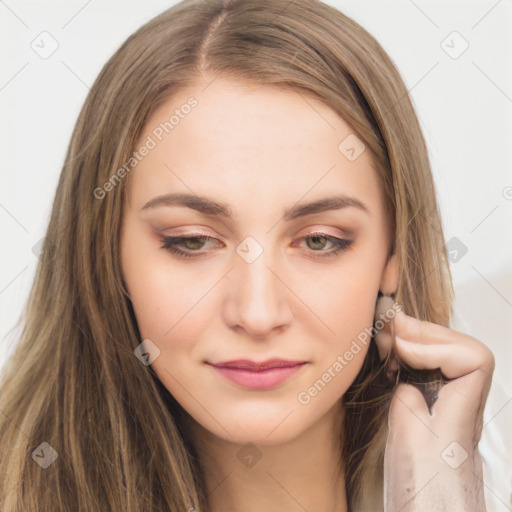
432 460
259 150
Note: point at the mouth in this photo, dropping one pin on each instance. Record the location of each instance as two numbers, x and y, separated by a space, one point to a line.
253 375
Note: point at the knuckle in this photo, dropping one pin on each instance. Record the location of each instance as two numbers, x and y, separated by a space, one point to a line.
489 361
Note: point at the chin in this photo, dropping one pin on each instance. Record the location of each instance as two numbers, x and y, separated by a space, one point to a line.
257 429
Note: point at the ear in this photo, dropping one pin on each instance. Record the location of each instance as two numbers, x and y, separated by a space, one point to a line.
389 279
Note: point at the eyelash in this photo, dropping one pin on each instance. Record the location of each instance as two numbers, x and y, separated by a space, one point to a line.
170 243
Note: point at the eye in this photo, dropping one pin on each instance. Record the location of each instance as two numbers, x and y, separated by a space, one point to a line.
192 243
195 243
319 239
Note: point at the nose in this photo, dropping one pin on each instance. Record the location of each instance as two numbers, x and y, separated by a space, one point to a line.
258 297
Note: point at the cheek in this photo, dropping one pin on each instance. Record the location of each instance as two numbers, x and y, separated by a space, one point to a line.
342 298
347 316
167 312
163 296
341 318
166 305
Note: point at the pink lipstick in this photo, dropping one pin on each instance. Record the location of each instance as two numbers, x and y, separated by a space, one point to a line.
254 375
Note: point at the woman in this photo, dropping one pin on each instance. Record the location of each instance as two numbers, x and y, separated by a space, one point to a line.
186 346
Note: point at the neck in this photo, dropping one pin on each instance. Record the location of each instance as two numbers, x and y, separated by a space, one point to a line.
305 473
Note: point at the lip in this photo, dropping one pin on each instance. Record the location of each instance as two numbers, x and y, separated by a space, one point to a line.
254 375
247 364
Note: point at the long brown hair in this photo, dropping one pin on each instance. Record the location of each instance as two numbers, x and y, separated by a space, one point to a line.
73 381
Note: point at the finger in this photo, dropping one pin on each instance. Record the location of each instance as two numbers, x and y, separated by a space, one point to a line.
455 359
466 352
463 359
461 401
422 331
408 412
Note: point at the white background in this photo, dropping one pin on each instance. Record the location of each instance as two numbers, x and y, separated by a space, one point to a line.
464 105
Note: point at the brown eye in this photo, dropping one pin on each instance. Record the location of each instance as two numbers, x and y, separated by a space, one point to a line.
191 243
320 239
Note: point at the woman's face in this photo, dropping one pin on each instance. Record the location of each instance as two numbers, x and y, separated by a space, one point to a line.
246 163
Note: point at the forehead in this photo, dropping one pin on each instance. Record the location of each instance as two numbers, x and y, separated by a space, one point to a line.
245 144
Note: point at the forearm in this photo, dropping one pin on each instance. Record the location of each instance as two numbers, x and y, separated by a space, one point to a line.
434 487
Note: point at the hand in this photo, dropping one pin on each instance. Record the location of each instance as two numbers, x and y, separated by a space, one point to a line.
431 461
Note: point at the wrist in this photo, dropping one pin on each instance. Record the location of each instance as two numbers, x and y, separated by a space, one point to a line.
425 485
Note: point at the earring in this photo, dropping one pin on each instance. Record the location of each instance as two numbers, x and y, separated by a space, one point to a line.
384 334
383 324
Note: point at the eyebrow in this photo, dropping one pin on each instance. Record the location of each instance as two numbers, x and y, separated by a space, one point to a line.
209 207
